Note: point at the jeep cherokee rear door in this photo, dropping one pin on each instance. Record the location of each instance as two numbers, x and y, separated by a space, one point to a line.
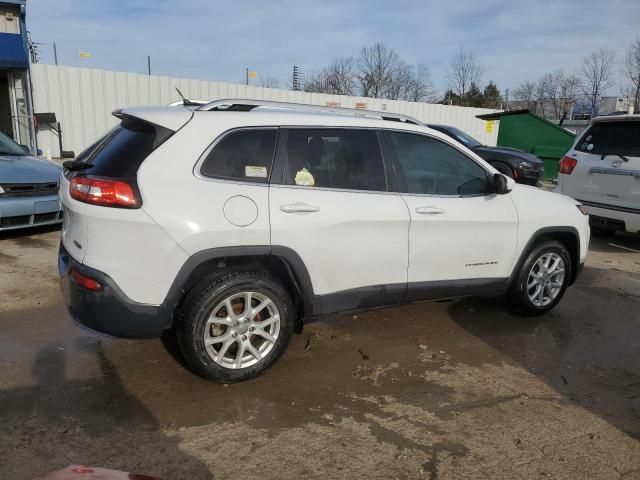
335 208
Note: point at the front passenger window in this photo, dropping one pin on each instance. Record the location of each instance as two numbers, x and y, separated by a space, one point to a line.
433 167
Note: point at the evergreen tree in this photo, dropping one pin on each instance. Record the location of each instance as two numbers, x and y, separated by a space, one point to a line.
474 97
451 98
491 96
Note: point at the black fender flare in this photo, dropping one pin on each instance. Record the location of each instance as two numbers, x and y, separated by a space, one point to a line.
294 265
549 231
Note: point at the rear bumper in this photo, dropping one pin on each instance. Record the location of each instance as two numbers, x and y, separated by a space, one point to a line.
23 212
108 311
613 217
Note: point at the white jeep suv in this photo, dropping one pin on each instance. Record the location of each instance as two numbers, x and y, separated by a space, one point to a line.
234 223
602 171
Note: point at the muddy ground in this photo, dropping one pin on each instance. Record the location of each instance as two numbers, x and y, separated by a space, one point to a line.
449 390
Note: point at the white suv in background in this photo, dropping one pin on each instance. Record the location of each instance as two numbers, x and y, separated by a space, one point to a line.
234 223
602 171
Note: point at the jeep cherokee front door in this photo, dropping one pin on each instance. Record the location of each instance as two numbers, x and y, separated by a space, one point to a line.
461 233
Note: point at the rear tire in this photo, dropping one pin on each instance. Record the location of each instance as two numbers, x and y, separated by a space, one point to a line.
233 326
542 280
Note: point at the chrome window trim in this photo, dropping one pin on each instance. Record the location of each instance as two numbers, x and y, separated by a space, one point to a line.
329 189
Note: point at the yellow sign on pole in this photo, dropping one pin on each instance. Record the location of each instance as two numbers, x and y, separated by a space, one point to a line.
488 126
84 54
252 74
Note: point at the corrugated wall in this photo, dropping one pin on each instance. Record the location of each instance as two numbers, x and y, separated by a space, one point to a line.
83 99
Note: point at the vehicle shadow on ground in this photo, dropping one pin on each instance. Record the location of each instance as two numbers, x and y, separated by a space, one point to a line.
579 349
92 421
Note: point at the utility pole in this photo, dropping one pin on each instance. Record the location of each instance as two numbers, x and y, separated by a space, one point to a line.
149 65
295 83
55 53
246 76
506 98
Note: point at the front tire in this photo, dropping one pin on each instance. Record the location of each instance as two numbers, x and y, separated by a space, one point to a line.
504 169
542 280
233 326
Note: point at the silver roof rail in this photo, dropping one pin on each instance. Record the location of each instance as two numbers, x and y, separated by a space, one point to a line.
245 105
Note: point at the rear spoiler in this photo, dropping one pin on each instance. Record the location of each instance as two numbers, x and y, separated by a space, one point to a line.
171 118
165 121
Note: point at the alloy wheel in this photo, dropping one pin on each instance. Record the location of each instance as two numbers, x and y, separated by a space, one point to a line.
242 329
545 279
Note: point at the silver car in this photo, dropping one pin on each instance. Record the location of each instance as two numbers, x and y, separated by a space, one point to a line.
28 188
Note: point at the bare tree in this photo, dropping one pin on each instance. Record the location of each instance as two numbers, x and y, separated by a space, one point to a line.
463 71
339 78
399 82
596 72
540 93
569 90
561 91
377 66
269 82
378 72
631 70
526 93
420 87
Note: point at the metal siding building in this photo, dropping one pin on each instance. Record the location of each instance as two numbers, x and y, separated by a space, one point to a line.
84 98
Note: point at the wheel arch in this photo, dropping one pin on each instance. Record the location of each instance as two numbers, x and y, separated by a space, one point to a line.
284 264
504 162
567 235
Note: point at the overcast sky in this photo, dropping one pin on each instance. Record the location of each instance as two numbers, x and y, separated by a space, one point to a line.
513 40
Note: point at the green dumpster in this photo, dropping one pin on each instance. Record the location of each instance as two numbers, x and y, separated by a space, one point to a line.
529 132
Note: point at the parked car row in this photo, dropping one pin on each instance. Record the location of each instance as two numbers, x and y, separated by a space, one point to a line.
277 213
601 171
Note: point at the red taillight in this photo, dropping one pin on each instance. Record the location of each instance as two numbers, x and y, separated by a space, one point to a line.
103 191
567 164
86 282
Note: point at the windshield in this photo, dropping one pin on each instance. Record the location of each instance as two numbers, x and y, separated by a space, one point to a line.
464 138
9 147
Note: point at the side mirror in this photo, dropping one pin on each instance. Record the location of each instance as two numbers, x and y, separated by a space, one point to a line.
26 148
500 184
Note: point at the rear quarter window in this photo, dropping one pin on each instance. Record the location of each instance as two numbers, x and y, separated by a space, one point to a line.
611 138
244 155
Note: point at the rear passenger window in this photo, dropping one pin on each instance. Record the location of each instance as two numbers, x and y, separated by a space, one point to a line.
612 137
242 155
335 158
433 167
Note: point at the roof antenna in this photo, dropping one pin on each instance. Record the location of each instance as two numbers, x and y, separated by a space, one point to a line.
185 101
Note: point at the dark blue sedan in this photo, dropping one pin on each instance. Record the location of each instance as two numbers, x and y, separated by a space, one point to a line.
28 188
